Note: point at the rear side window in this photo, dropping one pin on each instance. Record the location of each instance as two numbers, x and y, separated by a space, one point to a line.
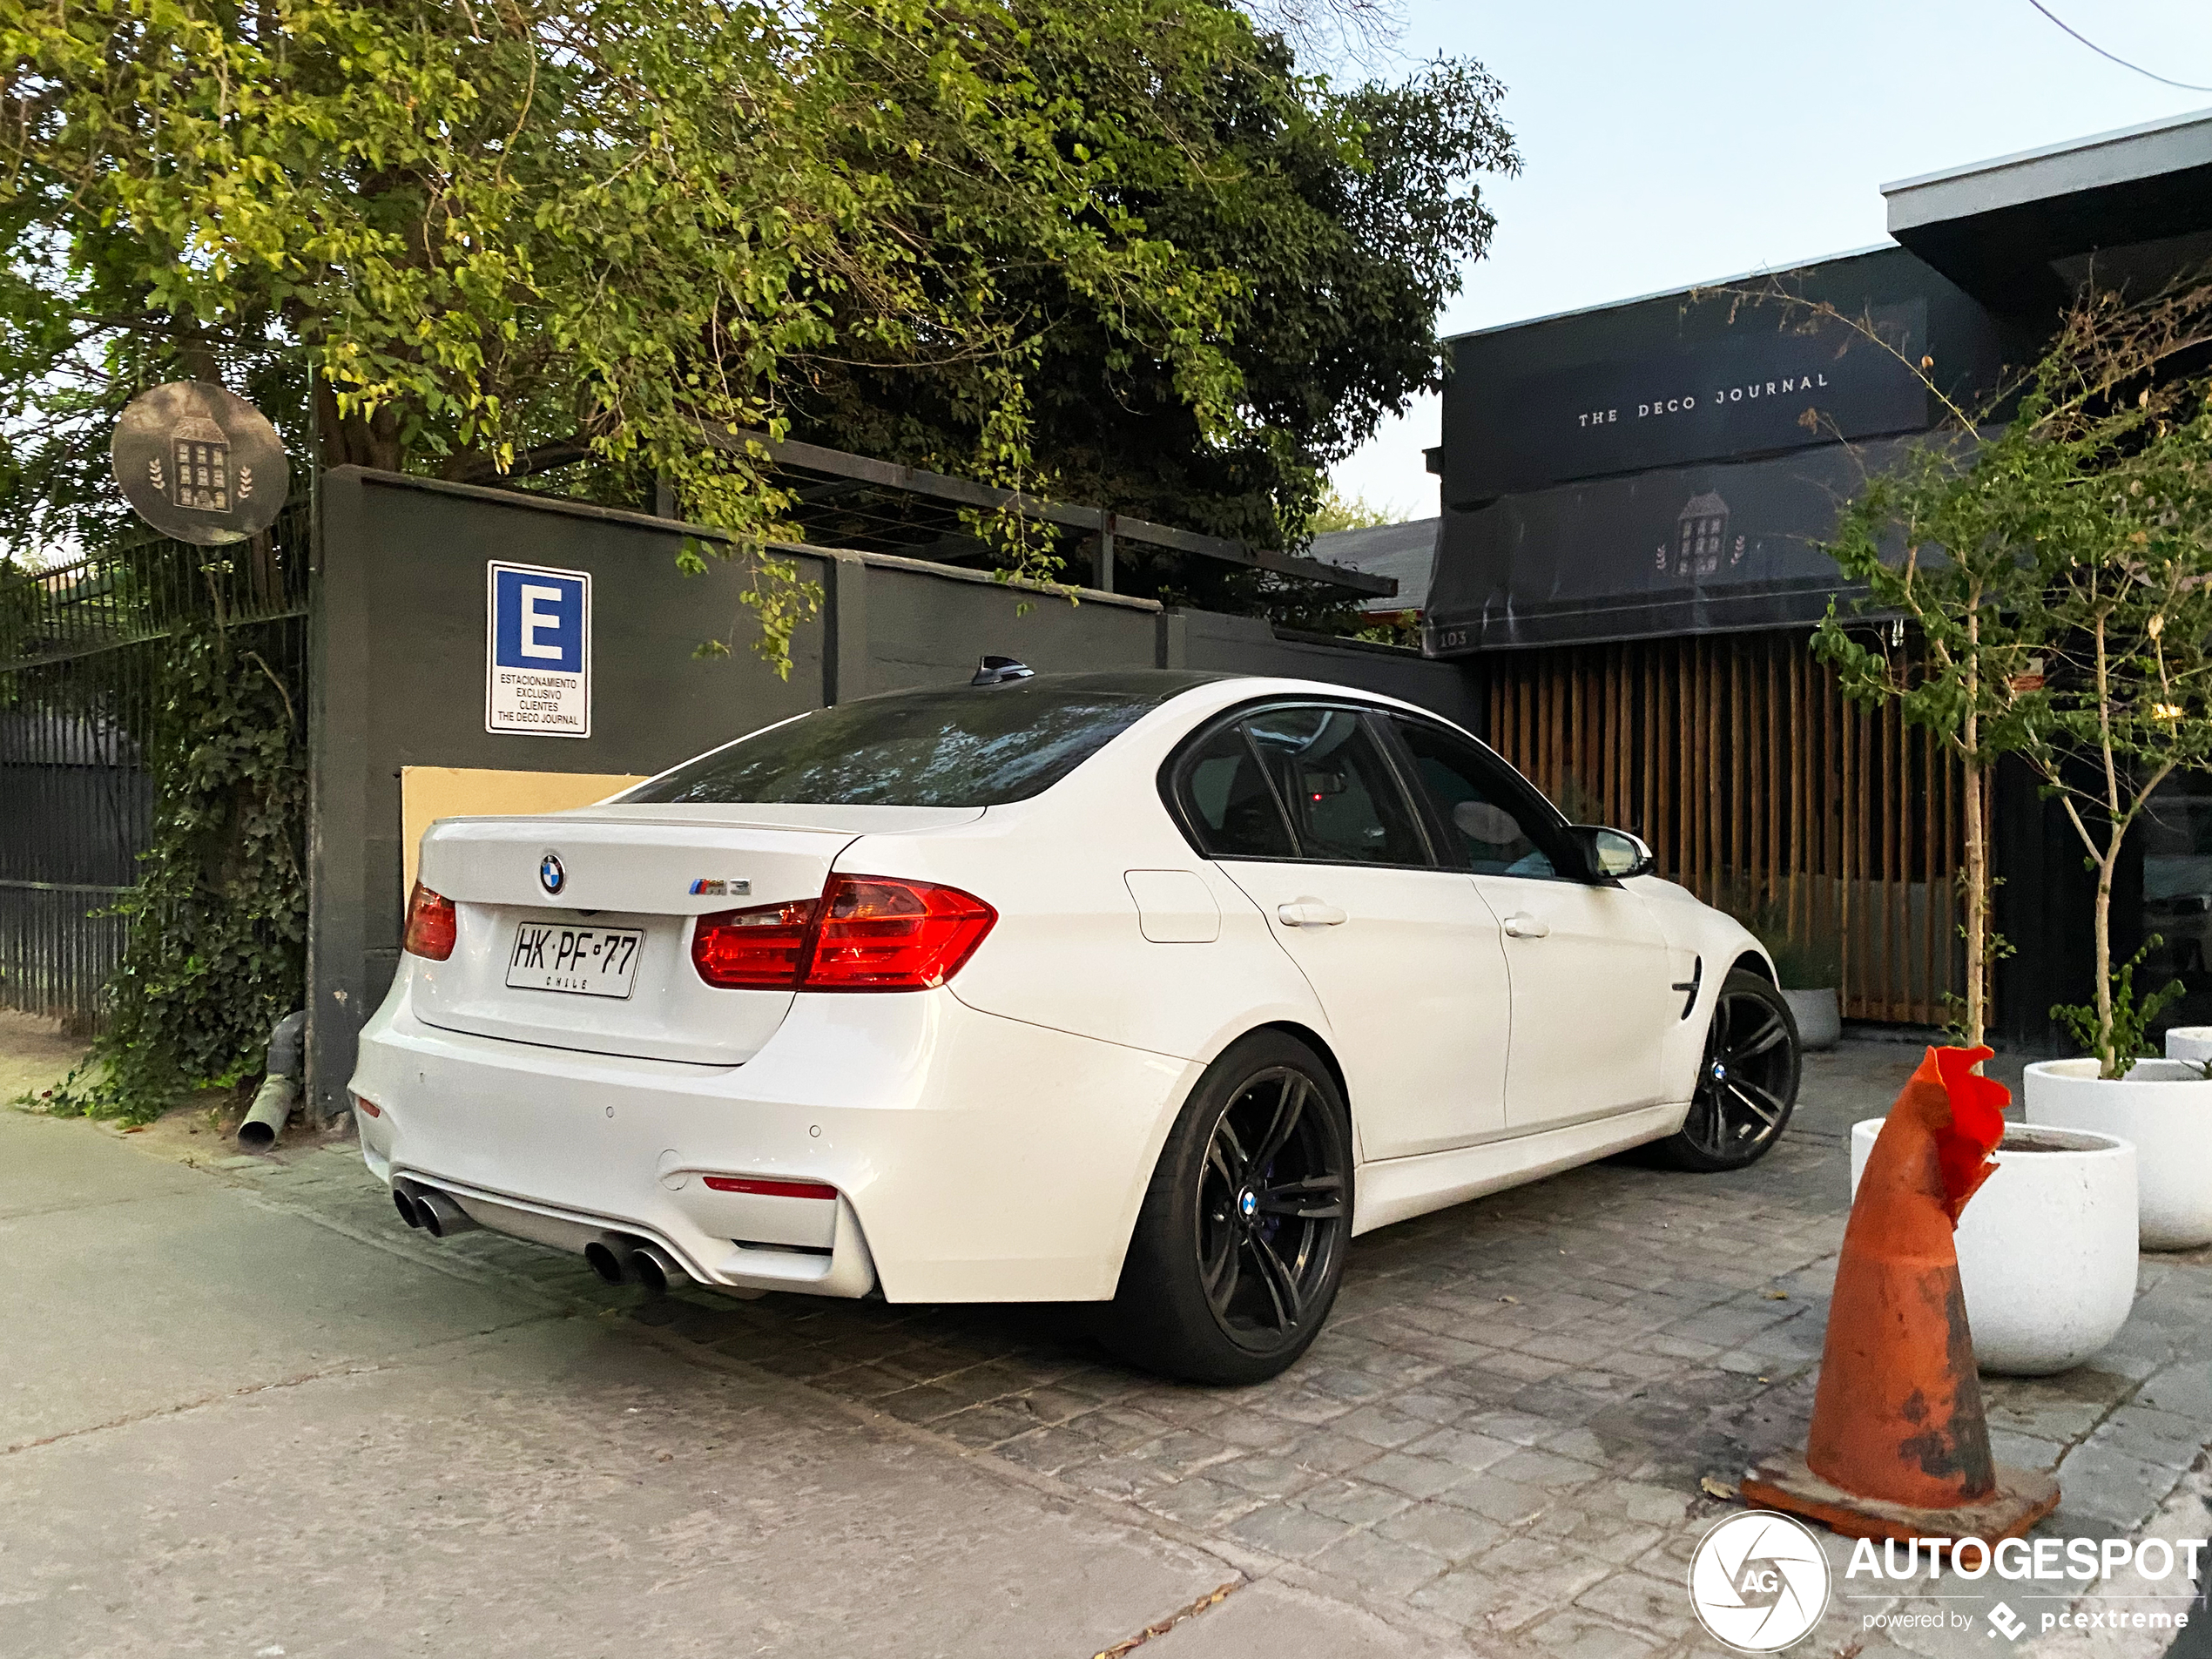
1344 803
1305 782
967 746
1230 803
1500 828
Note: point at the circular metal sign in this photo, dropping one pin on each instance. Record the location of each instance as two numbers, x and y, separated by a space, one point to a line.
198 463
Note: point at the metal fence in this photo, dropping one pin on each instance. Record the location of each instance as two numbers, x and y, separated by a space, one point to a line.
81 648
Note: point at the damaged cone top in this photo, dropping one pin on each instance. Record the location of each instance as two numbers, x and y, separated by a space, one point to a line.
1900 1443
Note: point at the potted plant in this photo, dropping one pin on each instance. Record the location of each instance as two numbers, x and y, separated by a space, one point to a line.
1809 979
1809 970
2168 1134
2051 551
2064 1199
2116 482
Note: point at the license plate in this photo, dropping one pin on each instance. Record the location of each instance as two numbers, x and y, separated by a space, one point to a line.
587 961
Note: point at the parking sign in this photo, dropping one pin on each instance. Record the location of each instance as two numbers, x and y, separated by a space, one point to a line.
538 650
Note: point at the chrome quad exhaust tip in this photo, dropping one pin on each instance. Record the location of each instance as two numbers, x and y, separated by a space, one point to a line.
618 1259
430 1209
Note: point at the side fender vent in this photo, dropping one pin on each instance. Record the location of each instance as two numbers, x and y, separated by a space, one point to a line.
1689 986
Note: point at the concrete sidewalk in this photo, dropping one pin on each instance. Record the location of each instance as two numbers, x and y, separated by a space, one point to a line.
228 1427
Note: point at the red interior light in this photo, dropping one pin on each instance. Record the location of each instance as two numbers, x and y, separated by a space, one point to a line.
865 933
431 925
755 949
771 1188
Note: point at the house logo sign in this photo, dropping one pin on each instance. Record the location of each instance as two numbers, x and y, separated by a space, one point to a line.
1702 545
1759 1582
199 463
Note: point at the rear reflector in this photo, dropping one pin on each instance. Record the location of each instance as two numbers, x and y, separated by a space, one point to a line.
431 925
865 933
770 1188
368 1106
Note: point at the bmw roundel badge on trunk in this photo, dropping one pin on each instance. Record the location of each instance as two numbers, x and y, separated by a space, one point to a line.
550 875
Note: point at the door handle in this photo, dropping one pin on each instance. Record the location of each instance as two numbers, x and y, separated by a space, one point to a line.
1521 925
1310 913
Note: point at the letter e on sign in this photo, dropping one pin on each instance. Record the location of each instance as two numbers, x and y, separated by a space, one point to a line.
538 650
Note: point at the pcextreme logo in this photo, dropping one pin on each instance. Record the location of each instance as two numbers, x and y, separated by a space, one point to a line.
1758 1581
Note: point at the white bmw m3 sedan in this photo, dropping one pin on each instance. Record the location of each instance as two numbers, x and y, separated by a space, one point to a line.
1149 990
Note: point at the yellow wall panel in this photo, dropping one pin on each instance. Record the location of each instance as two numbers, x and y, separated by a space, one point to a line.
428 793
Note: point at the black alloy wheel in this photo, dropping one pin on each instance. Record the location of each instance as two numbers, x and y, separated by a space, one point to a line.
1747 1082
1270 1210
1240 1242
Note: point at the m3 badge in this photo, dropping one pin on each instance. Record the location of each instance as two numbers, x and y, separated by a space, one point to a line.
719 887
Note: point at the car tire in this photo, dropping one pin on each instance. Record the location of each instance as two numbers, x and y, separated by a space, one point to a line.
1747 1082
1240 1242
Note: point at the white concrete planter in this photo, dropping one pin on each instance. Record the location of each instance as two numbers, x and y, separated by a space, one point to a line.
2046 1248
2165 1108
2189 1043
1820 1020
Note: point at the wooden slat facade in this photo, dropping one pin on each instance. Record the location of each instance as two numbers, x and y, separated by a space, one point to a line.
1762 790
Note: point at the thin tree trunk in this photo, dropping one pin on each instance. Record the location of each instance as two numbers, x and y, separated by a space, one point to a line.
2116 827
1976 873
2106 1061
1977 870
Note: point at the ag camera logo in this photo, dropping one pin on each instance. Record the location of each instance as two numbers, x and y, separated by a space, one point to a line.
1759 1582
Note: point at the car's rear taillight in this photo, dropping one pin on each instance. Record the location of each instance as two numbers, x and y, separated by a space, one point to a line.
880 934
753 949
431 925
865 933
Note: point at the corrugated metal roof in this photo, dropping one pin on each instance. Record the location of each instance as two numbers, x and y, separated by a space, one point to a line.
1407 552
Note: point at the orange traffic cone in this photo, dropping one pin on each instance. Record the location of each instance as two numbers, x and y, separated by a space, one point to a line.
1899 1446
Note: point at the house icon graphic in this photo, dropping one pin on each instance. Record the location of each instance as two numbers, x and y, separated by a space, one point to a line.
1701 535
200 456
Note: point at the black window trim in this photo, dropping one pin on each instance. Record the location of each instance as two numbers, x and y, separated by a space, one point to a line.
1175 768
1522 793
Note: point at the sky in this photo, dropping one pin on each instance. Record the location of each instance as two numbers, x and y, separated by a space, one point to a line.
1666 145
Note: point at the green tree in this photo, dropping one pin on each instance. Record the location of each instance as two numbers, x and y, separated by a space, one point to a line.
469 237
1336 511
2053 549
2120 495
1932 541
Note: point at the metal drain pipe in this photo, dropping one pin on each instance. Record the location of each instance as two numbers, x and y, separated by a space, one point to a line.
280 1090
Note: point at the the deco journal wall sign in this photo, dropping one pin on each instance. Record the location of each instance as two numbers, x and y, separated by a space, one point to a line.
199 463
1763 389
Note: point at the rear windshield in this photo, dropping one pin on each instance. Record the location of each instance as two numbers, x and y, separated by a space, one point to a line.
965 747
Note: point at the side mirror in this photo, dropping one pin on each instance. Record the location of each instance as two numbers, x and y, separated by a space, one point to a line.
1613 854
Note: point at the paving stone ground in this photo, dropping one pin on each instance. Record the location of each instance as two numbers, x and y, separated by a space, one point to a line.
1500 1436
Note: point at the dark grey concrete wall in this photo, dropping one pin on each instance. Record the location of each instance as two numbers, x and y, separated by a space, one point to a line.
397 675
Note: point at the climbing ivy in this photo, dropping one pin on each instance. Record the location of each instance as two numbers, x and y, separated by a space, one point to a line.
217 949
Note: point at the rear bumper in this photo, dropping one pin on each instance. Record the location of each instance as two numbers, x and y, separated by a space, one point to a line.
976 1158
